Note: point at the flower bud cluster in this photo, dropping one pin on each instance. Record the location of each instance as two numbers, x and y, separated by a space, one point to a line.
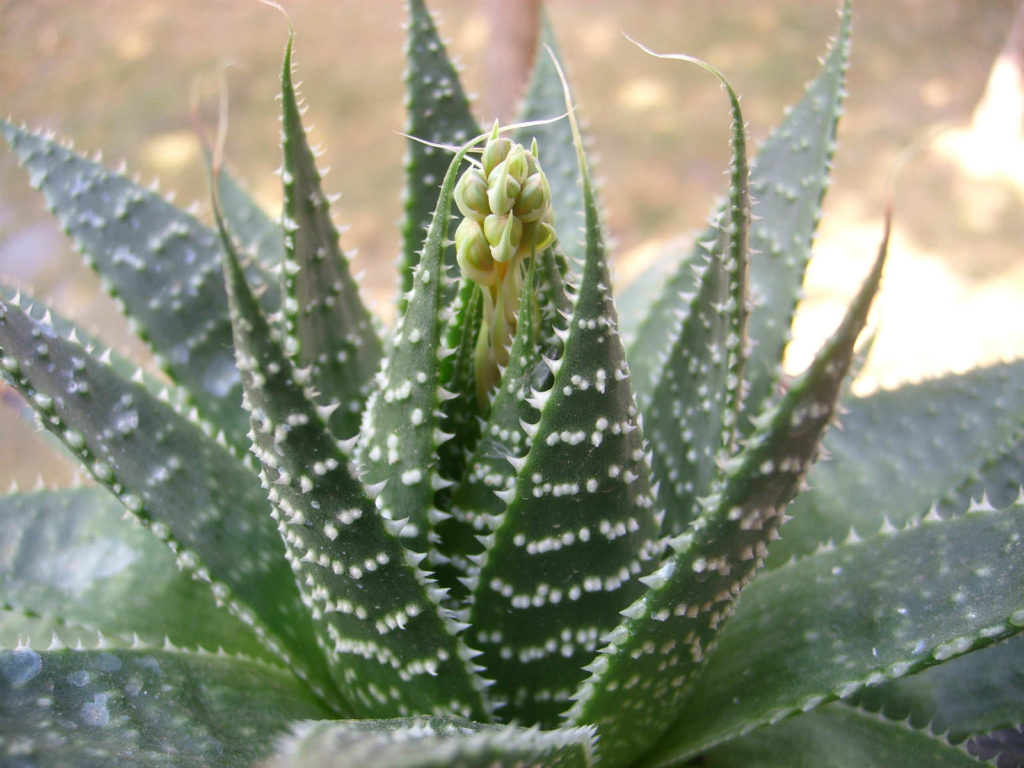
506 205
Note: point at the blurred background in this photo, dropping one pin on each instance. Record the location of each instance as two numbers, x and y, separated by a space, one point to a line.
118 77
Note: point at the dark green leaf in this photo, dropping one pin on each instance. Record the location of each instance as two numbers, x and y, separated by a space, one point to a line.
256 233
391 649
143 708
858 615
969 695
787 179
71 556
432 742
694 408
544 101
900 451
437 111
580 529
160 262
406 409
331 330
835 737
186 487
653 656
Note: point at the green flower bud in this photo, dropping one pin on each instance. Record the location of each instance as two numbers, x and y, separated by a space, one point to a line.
495 150
471 195
517 164
534 199
504 233
473 253
502 189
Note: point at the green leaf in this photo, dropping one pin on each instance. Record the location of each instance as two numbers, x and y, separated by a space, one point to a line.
475 504
580 529
544 101
900 451
391 649
705 362
406 410
185 486
970 695
837 737
143 708
437 111
826 626
461 414
653 656
787 179
256 233
161 263
331 330
71 556
432 742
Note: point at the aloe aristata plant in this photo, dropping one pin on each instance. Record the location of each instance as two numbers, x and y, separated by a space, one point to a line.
499 534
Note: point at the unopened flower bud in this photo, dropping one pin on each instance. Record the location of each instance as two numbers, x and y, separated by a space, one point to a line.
471 195
534 199
504 233
495 150
517 164
502 189
473 253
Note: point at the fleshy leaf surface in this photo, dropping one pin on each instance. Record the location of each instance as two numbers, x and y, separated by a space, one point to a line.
256 233
390 647
329 327
190 490
970 695
694 408
544 101
161 263
581 526
69 555
828 625
432 742
900 451
788 178
143 708
837 737
653 656
437 111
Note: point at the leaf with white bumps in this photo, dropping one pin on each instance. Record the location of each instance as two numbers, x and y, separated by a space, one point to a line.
256 233
543 101
580 529
654 655
432 742
161 263
400 444
69 555
828 625
836 737
788 178
971 695
903 450
437 111
189 489
143 708
390 648
332 332
693 410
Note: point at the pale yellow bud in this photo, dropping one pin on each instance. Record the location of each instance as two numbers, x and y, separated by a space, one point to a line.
473 253
471 195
